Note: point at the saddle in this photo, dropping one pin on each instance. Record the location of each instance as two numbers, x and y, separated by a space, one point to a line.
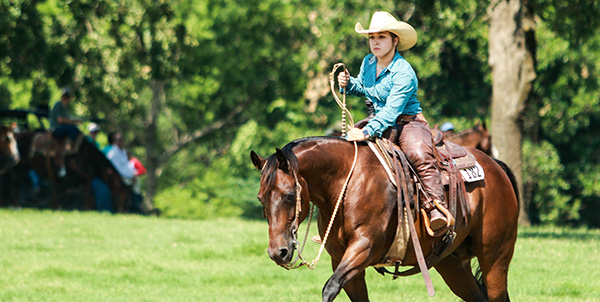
45 144
453 162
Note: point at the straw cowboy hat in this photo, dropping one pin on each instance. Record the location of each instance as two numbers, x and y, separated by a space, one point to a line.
384 21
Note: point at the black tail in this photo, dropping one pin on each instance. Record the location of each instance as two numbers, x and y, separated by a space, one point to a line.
511 176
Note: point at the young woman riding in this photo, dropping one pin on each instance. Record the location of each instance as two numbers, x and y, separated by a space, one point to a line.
390 82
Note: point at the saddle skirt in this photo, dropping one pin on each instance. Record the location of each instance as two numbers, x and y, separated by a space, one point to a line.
453 160
463 160
44 143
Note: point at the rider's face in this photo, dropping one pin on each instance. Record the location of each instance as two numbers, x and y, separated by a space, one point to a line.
382 43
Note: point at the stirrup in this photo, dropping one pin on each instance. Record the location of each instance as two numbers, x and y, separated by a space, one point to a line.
443 211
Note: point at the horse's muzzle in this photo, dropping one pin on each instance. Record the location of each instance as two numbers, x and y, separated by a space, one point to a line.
281 254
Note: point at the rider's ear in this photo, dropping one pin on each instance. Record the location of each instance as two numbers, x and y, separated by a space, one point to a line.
283 162
258 161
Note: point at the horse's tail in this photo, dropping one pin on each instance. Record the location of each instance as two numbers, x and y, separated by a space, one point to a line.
511 176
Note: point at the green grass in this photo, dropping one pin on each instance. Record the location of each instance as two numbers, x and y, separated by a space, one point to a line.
73 256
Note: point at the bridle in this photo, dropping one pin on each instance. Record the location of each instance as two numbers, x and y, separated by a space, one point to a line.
299 260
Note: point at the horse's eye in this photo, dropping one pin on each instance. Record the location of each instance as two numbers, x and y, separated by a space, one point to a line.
290 197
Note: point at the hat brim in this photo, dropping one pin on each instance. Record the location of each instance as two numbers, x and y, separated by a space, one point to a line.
404 31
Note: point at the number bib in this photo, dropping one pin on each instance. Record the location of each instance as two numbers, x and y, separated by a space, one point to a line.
472 174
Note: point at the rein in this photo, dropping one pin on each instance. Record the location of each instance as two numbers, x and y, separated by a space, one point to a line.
313 264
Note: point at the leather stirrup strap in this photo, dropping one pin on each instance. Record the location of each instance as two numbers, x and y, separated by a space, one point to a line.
452 187
402 183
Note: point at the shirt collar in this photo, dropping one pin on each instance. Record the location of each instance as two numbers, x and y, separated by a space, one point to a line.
397 57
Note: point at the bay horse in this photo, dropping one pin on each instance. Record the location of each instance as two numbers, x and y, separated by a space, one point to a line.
9 158
477 137
9 151
364 228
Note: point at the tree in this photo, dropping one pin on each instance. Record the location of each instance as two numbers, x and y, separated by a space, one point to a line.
512 58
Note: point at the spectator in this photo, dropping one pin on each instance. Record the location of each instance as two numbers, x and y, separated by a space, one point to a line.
119 158
93 130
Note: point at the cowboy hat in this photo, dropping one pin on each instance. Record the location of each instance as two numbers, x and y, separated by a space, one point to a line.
384 21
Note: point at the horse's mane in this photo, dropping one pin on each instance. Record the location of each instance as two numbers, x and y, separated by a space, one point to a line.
269 173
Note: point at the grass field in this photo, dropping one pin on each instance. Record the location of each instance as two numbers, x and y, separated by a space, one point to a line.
73 256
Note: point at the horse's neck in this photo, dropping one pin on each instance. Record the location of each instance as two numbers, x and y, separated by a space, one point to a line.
324 167
468 138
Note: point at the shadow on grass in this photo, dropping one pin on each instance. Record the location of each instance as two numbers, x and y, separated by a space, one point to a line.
560 233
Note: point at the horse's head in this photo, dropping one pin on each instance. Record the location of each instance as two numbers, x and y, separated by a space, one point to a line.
485 143
9 152
280 185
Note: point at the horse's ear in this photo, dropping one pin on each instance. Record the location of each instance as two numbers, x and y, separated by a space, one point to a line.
482 122
283 162
258 161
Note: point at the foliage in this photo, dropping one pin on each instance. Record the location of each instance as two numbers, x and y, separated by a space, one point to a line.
549 191
252 75
565 114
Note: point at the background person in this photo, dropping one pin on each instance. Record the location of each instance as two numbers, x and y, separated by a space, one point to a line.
62 126
119 158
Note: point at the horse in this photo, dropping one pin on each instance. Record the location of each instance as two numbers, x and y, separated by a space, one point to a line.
9 151
82 167
9 158
89 162
477 137
316 168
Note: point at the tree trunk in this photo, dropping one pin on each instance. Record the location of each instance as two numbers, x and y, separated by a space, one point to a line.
512 58
151 141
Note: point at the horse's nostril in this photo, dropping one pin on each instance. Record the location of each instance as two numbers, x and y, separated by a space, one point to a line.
283 252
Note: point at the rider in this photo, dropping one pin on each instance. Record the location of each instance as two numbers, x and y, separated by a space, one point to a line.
63 125
390 82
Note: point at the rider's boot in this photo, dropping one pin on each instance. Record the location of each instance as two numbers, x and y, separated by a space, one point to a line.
416 142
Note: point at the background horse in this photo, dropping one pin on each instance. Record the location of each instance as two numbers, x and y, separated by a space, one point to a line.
9 152
82 167
365 227
9 158
477 137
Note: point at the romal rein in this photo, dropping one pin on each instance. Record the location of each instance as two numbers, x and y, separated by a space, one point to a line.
345 111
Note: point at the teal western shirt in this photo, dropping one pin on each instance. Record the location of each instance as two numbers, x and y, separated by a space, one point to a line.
393 92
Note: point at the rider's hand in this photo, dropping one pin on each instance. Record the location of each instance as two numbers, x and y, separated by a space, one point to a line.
356 134
343 79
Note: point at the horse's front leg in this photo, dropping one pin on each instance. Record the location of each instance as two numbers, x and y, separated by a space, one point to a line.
349 273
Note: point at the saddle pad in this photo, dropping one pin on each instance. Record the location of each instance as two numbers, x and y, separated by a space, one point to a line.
469 168
456 150
397 250
42 143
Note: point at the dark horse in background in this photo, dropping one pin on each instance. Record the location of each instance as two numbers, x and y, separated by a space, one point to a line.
9 158
365 227
477 137
9 151
82 167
